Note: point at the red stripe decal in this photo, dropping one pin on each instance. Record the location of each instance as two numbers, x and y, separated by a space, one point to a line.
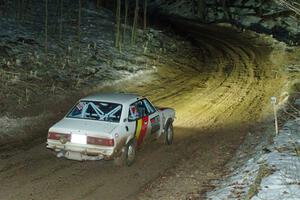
143 130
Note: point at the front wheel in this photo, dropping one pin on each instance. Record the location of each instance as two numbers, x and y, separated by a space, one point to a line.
169 133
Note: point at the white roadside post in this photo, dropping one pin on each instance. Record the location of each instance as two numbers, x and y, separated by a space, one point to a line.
273 101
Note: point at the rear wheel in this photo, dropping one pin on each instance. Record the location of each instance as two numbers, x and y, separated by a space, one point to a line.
128 154
169 133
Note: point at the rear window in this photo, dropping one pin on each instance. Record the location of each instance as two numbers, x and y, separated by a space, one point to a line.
94 110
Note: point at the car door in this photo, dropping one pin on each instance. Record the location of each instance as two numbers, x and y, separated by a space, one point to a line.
138 113
154 119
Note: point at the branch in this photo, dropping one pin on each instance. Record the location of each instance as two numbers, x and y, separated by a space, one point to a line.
293 5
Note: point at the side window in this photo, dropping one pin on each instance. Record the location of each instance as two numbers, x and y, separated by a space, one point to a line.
137 110
132 115
149 106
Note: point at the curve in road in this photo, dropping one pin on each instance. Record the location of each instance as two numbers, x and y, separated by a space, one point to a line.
217 94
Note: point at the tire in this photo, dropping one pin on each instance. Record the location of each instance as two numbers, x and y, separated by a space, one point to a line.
169 133
128 155
130 152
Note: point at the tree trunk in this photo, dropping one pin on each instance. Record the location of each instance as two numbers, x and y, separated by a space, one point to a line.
20 10
61 19
3 8
193 7
6 9
17 10
260 10
114 6
135 21
118 24
46 27
201 9
26 9
225 9
125 19
145 14
79 22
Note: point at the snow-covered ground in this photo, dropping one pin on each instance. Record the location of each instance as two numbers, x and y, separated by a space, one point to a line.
271 172
67 69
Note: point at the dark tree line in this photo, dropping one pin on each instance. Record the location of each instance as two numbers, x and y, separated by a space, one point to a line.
128 14
124 4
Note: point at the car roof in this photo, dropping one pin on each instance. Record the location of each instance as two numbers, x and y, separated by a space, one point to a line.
120 98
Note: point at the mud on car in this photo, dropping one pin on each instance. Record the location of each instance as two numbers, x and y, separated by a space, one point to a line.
110 126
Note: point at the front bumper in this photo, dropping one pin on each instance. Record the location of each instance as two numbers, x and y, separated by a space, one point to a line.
81 152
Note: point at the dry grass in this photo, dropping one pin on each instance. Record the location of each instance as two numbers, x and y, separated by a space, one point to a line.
263 171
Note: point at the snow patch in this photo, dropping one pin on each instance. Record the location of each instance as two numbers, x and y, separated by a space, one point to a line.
282 162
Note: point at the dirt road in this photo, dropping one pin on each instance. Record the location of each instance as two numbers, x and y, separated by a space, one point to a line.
218 95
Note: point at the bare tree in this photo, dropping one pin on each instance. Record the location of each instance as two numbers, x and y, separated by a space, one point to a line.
145 13
118 24
26 6
193 7
20 8
201 9
3 8
16 10
79 22
46 27
61 19
135 21
125 18
225 9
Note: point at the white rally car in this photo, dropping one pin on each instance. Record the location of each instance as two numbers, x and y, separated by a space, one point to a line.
109 126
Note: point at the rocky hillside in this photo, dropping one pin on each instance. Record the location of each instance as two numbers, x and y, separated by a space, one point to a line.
264 16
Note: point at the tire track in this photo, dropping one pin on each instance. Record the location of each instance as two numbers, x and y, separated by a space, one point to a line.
228 86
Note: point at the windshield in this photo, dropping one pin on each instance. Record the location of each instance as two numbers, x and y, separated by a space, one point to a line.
94 110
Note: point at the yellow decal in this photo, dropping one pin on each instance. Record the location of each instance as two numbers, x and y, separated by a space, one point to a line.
138 129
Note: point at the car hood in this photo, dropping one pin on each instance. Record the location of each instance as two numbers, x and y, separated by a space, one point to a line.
84 127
